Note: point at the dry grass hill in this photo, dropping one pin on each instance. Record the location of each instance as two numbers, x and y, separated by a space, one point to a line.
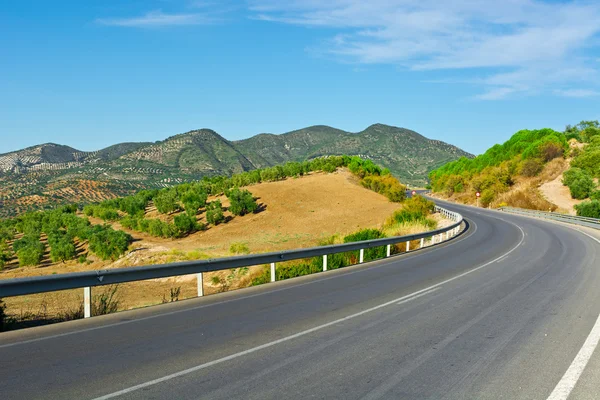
297 212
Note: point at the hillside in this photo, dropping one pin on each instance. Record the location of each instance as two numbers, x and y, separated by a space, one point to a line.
43 176
295 212
535 169
409 155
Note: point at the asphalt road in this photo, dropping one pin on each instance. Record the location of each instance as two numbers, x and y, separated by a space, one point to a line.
500 312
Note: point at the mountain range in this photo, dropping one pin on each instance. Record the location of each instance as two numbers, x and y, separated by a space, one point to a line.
47 174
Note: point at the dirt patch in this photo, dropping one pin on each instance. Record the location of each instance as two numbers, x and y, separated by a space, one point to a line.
560 195
297 213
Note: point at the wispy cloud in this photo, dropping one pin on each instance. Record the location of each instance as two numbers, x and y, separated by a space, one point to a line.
517 46
157 19
577 93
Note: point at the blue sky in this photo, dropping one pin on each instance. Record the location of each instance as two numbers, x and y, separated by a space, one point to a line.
93 73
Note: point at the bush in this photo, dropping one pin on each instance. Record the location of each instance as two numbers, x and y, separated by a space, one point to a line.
579 182
107 243
62 247
241 202
531 167
102 212
371 253
214 212
185 224
386 185
193 200
590 208
29 250
166 201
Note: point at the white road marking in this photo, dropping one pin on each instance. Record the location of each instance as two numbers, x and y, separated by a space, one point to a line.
418 295
345 272
305 332
567 383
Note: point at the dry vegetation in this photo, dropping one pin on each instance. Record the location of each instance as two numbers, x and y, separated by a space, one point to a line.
299 212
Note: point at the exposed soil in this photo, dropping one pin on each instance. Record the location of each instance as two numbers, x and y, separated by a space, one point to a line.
560 195
296 213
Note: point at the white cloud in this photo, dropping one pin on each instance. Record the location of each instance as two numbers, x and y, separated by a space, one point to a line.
157 19
496 94
577 93
534 44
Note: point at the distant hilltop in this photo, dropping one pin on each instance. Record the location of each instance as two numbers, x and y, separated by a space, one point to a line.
33 176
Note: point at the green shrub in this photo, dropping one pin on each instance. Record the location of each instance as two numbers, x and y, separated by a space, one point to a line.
370 253
62 247
185 224
590 208
107 243
386 185
579 182
102 212
30 250
214 212
193 200
166 201
241 202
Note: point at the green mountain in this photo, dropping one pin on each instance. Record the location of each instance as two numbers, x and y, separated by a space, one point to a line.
409 155
45 175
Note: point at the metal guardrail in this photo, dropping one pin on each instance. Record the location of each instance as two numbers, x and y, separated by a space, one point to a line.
571 219
87 280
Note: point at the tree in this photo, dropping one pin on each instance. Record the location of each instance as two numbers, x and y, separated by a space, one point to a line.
589 209
214 212
107 243
241 202
193 200
166 201
185 224
580 183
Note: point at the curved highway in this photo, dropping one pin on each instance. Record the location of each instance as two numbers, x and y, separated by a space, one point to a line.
506 310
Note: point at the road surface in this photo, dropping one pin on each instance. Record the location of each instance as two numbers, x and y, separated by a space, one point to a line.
500 312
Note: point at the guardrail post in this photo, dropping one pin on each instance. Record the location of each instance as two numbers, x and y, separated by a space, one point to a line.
422 243
362 256
389 250
200 284
407 246
447 234
272 272
325 262
87 302
441 237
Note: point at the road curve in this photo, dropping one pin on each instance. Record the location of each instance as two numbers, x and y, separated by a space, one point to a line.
499 312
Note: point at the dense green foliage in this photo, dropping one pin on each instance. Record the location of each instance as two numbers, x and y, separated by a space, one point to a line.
214 212
107 243
241 202
29 249
580 183
61 228
586 163
589 208
493 172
